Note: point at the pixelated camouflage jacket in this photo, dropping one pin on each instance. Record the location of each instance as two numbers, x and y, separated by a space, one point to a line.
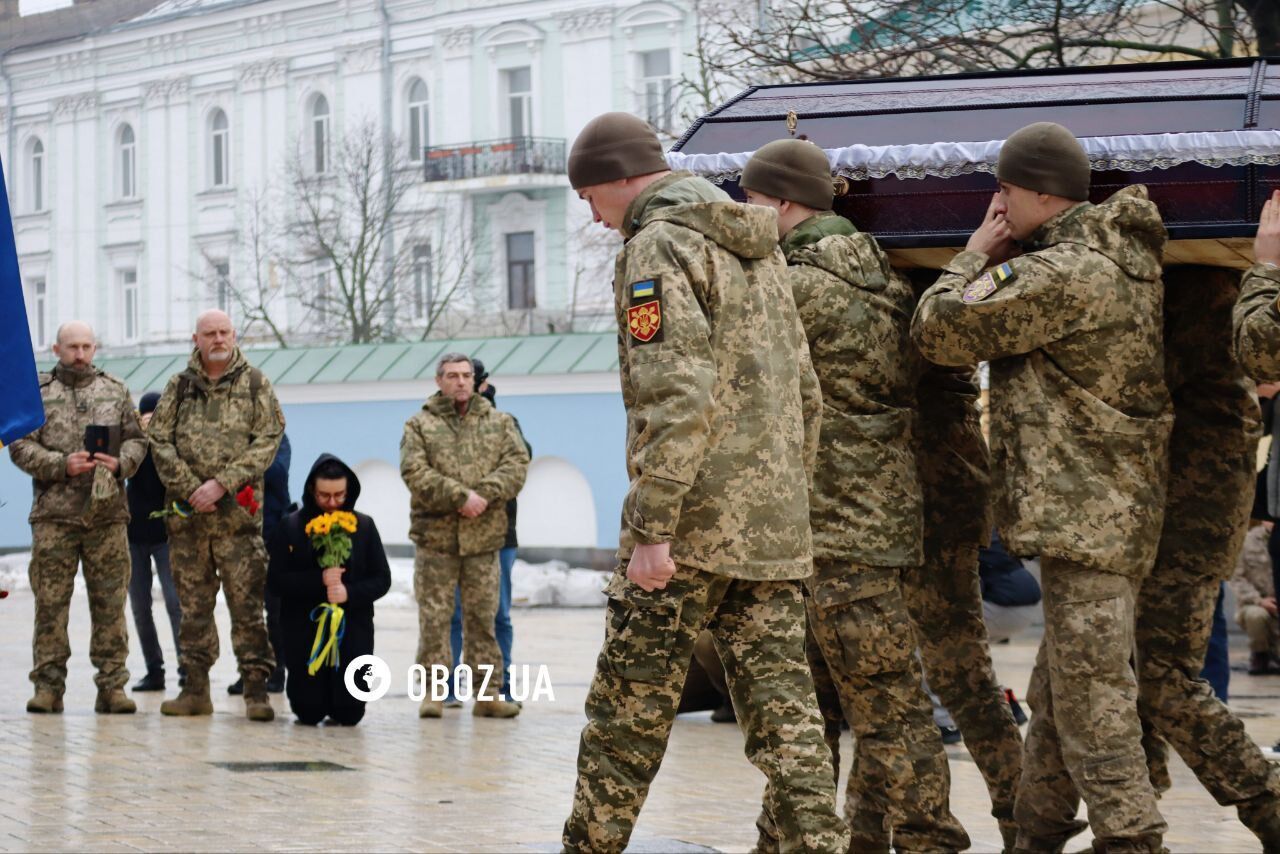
865 505
228 431
443 456
1080 414
723 408
1255 323
1253 579
72 402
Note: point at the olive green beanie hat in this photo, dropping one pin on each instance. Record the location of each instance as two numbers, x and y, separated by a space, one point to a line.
794 170
614 146
1047 158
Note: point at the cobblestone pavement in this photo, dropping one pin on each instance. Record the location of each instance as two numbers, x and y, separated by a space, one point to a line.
92 782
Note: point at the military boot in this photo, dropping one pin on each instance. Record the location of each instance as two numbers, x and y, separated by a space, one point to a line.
431 709
495 709
112 701
46 701
257 705
1261 814
193 700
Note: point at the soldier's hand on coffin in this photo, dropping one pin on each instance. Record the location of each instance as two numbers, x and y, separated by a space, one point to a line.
651 566
993 238
206 497
106 461
79 463
1266 246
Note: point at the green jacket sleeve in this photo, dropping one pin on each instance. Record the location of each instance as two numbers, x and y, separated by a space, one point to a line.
507 478
672 381
267 429
1035 308
162 432
35 459
440 494
133 442
1255 323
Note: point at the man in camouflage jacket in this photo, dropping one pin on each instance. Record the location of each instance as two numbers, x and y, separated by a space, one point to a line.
79 516
722 408
1255 321
1080 421
462 460
214 433
864 507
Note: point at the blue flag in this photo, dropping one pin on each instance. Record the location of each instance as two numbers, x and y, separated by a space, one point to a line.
21 411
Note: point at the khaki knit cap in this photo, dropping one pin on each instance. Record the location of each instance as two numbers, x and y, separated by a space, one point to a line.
614 146
794 170
1047 158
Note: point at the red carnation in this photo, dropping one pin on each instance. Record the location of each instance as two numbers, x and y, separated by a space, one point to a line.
245 498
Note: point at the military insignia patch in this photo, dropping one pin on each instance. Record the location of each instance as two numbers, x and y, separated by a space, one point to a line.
645 321
645 290
979 289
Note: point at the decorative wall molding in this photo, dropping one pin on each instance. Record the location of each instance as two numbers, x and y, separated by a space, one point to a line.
583 24
262 74
457 43
73 106
159 92
360 57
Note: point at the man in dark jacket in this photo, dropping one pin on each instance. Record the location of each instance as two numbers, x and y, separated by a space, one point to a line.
149 542
294 574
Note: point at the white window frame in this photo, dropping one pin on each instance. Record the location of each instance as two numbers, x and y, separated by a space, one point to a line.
222 286
35 174
130 305
418 120
219 149
127 162
656 90
531 278
513 99
320 136
423 285
40 312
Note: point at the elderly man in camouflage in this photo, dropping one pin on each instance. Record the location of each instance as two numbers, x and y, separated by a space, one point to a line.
1079 432
462 460
723 412
865 504
214 432
78 517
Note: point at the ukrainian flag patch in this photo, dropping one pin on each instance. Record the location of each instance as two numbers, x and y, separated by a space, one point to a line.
647 288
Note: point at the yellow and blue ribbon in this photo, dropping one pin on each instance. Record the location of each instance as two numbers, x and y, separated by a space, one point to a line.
325 652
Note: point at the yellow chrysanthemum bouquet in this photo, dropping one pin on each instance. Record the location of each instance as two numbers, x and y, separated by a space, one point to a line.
330 535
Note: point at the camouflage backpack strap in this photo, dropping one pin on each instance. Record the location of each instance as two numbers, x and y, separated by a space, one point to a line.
255 382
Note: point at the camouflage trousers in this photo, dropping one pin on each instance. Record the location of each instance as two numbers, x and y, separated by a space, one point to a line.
204 555
899 787
56 551
758 627
1210 498
1085 738
1262 629
945 600
435 578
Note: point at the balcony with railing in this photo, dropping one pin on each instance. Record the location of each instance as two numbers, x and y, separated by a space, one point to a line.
526 155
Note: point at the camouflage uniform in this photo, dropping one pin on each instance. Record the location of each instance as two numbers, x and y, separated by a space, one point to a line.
80 520
228 430
1212 458
943 593
716 381
443 456
1079 439
1252 581
1255 323
865 509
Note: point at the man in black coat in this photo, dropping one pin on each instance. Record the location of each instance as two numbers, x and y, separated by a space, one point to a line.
294 574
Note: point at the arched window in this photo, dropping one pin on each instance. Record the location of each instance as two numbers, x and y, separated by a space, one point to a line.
320 135
127 160
35 175
419 122
219 149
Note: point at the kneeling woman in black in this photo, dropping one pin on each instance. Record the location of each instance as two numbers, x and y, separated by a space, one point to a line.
295 575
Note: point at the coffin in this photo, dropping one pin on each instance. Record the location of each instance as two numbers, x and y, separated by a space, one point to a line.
917 154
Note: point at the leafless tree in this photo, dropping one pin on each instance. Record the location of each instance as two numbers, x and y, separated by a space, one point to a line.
350 238
591 290
250 289
843 39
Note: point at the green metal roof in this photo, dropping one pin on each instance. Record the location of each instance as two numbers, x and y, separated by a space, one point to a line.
541 355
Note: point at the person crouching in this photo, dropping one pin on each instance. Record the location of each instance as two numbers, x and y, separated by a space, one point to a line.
294 574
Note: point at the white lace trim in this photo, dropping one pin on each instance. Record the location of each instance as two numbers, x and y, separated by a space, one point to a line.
1131 153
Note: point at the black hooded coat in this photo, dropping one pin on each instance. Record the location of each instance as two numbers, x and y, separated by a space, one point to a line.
295 576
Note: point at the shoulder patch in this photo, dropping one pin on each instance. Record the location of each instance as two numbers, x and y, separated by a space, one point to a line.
987 284
645 321
644 290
